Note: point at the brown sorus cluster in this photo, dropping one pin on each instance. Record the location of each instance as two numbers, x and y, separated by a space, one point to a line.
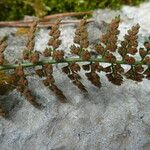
147 60
81 38
22 86
113 74
34 57
29 53
129 45
54 42
31 35
129 59
58 55
3 45
47 71
110 38
145 53
75 50
100 49
92 76
55 34
135 73
81 35
109 57
85 55
72 70
47 52
108 43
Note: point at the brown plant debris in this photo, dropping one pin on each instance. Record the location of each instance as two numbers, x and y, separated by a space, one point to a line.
105 51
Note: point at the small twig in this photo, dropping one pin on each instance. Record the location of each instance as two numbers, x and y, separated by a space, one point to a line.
66 15
44 22
27 24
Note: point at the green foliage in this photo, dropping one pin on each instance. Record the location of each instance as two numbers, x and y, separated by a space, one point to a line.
13 9
16 9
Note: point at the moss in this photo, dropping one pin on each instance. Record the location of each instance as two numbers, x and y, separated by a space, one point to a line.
13 10
16 9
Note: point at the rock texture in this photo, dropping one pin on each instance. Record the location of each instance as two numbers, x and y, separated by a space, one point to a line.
110 118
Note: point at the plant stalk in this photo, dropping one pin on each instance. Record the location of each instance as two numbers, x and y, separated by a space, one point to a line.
65 60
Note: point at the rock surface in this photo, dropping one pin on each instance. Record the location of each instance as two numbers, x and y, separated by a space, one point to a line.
110 118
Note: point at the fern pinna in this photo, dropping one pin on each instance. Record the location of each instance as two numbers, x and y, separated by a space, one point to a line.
107 51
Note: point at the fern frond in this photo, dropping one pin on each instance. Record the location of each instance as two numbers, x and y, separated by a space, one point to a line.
106 52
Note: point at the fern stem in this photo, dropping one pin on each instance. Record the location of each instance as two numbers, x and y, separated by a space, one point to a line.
66 60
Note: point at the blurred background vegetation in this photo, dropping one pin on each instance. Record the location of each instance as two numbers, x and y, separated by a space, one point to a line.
16 9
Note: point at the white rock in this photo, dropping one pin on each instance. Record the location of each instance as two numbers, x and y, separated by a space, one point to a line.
104 119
